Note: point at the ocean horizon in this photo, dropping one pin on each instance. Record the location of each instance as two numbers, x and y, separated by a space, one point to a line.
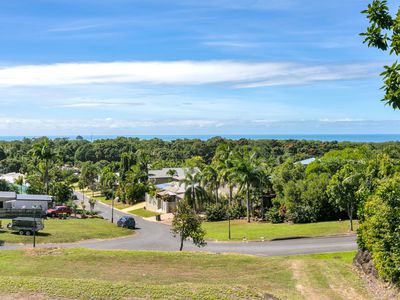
374 138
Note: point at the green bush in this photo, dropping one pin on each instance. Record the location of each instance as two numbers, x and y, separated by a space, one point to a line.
237 211
274 215
216 212
379 231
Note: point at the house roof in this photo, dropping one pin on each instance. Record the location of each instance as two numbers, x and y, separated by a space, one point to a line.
46 198
306 162
11 177
10 195
163 173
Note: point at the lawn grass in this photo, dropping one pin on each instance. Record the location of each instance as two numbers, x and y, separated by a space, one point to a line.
257 231
91 274
65 231
118 205
143 213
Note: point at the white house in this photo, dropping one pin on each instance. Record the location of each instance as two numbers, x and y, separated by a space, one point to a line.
21 201
170 189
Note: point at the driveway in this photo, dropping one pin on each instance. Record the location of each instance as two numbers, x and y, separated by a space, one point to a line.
156 236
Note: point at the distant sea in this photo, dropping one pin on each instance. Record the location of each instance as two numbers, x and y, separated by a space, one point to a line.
318 137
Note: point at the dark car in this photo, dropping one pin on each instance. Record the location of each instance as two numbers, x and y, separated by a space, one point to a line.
58 211
126 222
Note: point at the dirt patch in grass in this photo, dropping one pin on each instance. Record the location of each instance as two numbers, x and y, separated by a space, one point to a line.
43 252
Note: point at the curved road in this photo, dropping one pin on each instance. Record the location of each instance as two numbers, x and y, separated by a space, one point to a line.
156 236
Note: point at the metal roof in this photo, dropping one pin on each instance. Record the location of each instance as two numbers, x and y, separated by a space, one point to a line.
35 197
163 173
306 162
8 195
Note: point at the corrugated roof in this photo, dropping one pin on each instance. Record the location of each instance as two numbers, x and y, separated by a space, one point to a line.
7 195
163 173
34 197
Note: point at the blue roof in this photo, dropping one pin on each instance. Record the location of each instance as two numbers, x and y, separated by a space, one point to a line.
162 185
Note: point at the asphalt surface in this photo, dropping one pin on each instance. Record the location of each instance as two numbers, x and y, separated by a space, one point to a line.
156 236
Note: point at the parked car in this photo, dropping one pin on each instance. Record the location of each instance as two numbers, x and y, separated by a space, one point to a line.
126 222
26 225
59 211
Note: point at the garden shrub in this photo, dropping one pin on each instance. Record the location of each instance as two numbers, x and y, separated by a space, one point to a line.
274 214
237 211
216 212
379 231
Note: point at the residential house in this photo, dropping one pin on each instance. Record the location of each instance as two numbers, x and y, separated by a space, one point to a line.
169 189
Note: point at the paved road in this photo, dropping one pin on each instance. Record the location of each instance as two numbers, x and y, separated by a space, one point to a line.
156 236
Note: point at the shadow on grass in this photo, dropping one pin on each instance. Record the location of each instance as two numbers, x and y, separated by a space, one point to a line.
17 233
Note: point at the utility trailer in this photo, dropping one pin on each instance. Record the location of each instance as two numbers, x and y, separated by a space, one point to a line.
26 225
12 213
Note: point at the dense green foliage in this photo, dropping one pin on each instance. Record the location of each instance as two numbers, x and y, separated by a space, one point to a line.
384 33
380 216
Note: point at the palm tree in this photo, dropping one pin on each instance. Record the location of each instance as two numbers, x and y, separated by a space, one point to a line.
250 173
194 192
20 181
142 165
172 173
43 152
224 162
209 178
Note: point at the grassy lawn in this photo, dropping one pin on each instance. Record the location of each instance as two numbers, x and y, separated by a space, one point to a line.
118 205
143 213
64 231
258 231
90 274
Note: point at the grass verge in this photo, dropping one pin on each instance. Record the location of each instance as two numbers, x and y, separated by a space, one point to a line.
90 274
257 231
143 213
65 231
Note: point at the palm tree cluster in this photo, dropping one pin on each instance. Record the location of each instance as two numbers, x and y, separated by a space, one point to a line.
240 169
127 179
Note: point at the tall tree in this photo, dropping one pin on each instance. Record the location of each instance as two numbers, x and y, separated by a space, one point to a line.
210 179
224 162
345 191
250 171
44 153
89 175
186 224
194 193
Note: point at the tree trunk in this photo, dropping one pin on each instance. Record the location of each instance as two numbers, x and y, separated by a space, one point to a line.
230 194
194 198
350 208
248 203
262 208
181 247
46 177
216 194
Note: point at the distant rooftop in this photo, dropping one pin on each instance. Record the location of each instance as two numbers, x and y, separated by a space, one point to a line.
8 195
163 173
34 197
306 162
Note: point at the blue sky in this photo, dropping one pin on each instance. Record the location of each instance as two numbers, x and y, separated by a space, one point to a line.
189 67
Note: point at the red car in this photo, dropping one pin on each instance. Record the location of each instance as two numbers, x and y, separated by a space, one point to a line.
59 210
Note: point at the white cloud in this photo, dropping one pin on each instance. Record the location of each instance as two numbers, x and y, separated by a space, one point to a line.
239 74
99 104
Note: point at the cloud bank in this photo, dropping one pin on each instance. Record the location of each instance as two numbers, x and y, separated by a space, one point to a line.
236 74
